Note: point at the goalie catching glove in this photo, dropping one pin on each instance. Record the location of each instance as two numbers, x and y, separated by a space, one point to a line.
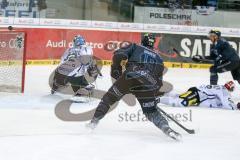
93 70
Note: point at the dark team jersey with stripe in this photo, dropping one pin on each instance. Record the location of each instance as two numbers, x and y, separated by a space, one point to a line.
140 57
137 55
222 50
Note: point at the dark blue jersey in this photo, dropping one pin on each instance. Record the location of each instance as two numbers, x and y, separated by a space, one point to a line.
138 55
222 50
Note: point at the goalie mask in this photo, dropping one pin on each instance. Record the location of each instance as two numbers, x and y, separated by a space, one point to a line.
230 86
78 41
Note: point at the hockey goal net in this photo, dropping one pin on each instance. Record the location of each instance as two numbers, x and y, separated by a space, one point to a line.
12 61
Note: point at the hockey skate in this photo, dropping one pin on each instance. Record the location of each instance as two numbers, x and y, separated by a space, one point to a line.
53 91
172 134
92 124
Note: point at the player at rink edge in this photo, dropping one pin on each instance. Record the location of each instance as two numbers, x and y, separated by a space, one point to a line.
142 78
75 63
211 96
223 56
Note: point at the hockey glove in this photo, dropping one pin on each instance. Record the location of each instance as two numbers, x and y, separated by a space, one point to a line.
197 58
116 72
214 52
219 60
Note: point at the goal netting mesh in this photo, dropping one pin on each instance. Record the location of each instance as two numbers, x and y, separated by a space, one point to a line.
12 63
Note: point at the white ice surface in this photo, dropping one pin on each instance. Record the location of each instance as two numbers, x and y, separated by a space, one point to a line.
29 129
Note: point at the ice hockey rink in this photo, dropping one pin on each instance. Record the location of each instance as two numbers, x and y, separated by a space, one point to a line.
30 129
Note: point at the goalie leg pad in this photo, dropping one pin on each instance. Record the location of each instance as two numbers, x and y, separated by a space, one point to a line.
59 81
77 83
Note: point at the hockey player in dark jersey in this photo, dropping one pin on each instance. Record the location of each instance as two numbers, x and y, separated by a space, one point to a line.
142 78
224 57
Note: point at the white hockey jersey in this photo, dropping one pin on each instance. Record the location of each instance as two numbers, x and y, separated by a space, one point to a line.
215 96
84 54
212 96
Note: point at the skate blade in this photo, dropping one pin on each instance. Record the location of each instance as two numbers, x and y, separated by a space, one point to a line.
176 137
80 99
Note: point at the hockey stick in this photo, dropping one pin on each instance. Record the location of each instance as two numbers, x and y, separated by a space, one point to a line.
206 61
190 131
200 61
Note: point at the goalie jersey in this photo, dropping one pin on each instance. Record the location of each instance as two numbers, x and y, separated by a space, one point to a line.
75 61
211 96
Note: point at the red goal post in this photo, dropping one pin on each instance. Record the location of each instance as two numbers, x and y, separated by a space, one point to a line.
12 60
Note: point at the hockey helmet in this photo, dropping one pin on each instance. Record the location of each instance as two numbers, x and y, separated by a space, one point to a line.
148 40
79 41
230 86
215 32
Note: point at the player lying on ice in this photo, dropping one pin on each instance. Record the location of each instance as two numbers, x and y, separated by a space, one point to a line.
76 63
223 56
212 96
142 78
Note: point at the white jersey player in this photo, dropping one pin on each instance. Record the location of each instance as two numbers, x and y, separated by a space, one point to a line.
80 52
76 62
212 96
